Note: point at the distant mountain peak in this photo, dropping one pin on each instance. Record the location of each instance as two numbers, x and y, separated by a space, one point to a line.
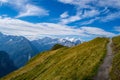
47 43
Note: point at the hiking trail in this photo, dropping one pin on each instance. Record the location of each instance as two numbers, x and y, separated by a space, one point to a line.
104 69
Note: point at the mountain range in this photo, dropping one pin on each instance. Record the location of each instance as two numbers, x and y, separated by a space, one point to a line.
80 62
20 49
47 43
64 63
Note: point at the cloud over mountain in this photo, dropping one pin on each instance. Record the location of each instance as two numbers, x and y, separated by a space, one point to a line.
32 30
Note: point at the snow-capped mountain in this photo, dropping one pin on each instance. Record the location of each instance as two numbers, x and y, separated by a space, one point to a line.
21 49
47 43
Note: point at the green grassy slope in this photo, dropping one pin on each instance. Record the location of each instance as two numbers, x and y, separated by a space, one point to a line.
115 71
77 63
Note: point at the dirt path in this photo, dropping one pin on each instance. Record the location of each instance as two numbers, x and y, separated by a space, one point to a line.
103 73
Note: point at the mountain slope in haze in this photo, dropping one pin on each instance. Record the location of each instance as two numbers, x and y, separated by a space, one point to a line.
6 64
21 49
115 71
77 63
18 48
47 43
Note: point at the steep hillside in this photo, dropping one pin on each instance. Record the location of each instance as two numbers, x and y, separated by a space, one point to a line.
6 64
77 63
115 71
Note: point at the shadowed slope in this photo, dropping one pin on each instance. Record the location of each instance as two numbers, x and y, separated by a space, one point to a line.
6 64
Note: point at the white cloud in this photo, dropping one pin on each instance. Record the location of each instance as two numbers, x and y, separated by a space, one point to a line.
80 3
91 9
31 30
25 8
96 31
117 28
79 16
109 3
3 1
110 17
19 27
32 10
64 15
66 1
90 13
86 3
70 19
89 21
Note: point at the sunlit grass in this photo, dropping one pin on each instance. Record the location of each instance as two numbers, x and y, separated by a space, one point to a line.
77 63
115 71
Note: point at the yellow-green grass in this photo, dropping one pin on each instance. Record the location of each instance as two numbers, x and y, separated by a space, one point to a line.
77 63
115 71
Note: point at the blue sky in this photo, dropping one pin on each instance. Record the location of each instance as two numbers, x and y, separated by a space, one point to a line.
84 19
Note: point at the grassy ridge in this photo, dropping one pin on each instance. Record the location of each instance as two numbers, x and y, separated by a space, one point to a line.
115 71
57 46
77 63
